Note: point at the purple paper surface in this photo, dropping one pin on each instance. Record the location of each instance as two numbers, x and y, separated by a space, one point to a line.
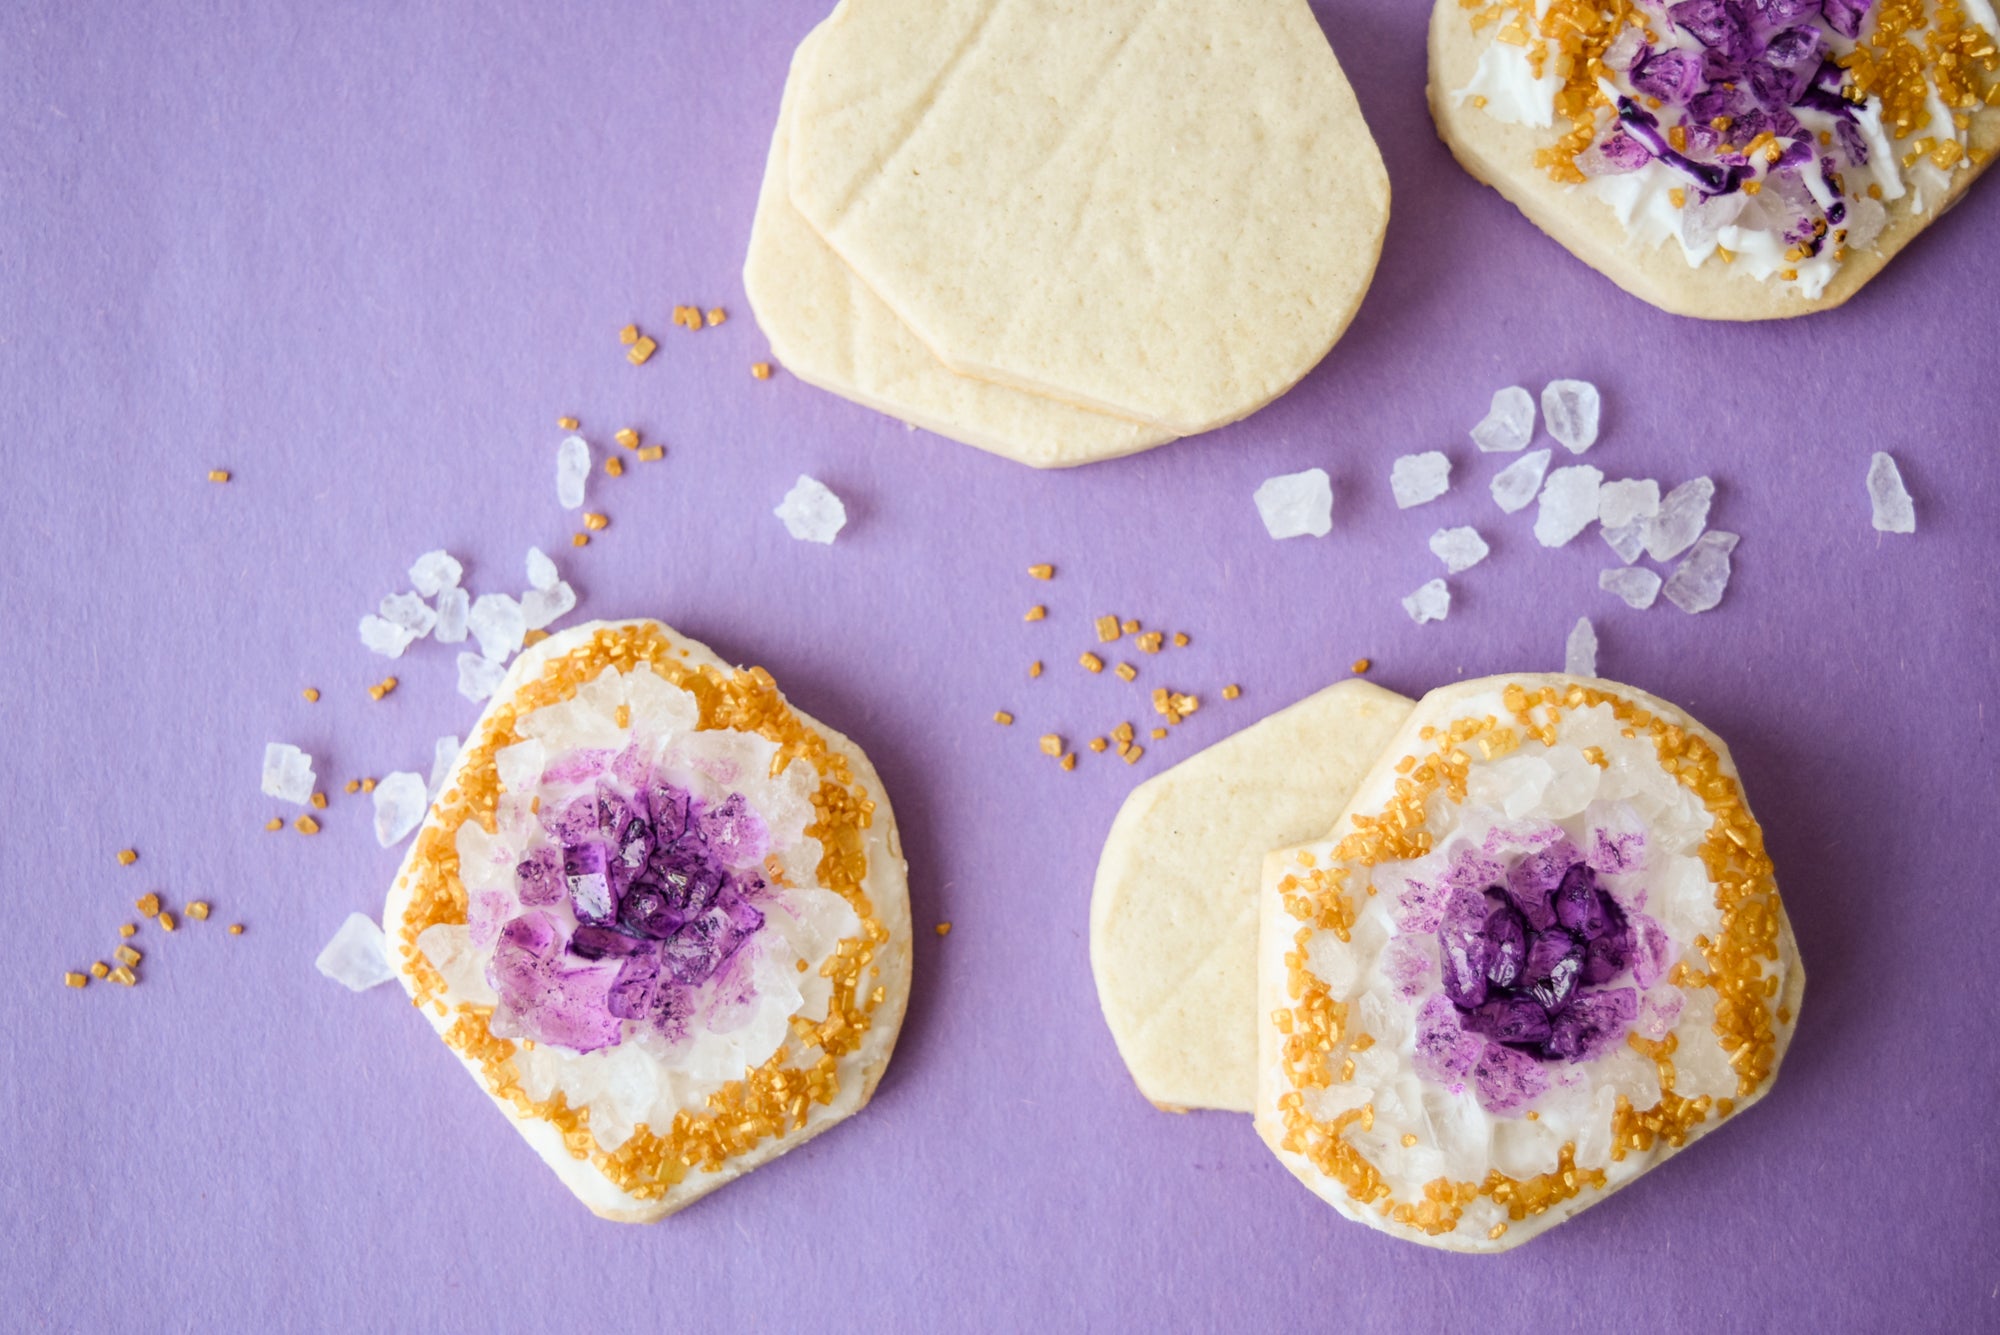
364 255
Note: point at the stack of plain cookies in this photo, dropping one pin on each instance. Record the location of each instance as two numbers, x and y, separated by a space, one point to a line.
1064 231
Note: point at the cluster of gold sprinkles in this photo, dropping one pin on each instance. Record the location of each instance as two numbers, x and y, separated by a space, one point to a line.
381 688
638 347
129 956
689 317
1315 1026
770 1100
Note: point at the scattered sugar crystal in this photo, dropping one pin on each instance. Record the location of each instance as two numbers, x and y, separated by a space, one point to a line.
358 957
1580 649
1628 541
1893 511
452 607
1430 603
1516 484
542 573
572 471
1296 505
1637 585
1459 548
1627 501
479 676
1865 220
288 773
1697 583
1571 408
410 613
811 512
400 803
443 756
1683 515
385 637
1509 424
1417 478
541 606
435 572
499 625
1569 504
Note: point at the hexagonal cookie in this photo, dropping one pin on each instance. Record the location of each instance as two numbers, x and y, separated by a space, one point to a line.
1542 951
1726 159
659 914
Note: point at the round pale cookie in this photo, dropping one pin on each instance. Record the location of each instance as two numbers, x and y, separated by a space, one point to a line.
1173 914
1502 155
660 915
829 330
1168 212
1542 951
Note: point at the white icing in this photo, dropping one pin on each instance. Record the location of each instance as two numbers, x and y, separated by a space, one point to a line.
1514 96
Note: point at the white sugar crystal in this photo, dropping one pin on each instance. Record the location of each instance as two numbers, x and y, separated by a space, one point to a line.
1627 501
443 756
1509 424
1891 502
499 625
1296 505
1516 484
478 676
288 773
811 512
453 605
1570 408
400 803
385 637
1628 541
1459 548
542 573
1569 504
1417 478
572 471
1683 515
1637 585
408 612
1697 583
358 957
435 572
1580 649
541 606
1430 603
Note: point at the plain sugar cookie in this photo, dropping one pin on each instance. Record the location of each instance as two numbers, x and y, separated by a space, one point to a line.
829 330
1542 951
1730 161
660 915
1173 913
1167 212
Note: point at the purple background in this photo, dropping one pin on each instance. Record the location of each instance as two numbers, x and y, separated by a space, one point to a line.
365 254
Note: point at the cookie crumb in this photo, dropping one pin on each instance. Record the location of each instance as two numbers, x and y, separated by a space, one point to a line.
1150 642
368 785
529 639
596 523
1159 733
354 785
627 437
1123 732
381 688
1132 754
124 977
1129 626
1002 717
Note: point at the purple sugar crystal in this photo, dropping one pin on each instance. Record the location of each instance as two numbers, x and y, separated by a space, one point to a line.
735 833
1592 1023
538 878
686 879
1716 24
1579 905
1464 950
585 875
1671 76
694 953
1844 16
1506 940
1507 1079
644 911
553 1002
633 994
1778 13
1554 962
596 943
1518 1020
1444 1051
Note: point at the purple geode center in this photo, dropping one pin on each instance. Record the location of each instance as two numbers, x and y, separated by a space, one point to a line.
662 886
1524 962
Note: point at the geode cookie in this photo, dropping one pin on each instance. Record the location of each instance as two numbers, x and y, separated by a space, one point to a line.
659 914
1727 159
1542 951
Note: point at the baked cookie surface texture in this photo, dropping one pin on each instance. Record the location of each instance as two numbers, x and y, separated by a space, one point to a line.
1542 951
1726 159
659 914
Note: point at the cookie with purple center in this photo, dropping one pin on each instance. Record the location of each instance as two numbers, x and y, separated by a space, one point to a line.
1542 951
659 914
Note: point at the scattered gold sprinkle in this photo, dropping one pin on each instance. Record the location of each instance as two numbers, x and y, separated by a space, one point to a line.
124 977
1129 626
368 785
1002 717
651 453
198 910
942 929
99 969
1132 754
306 825
1409 1139
1107 629
1051 744
1231 691
1180 639
760 370
218 475
354 785
381 688
319 801
236 929
1150 642
1677 196
1362 664
275 823
1159 733
1036 613
1035 668
311 693
1091 663
579 540
596 523
167 923
126 955
127 856
1752 187
75 980
1098 744
614 467
128 929
627 437
1123 732
638 353
1126 671
1068 761
1789 275
1042 571
567 423
1497 1229
148 905
716 315
629 335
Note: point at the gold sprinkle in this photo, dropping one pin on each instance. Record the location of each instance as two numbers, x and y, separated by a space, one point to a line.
1132 754
198 910
1180 639
75 980
596 523
1043 571
1035 668
1126 671
1002 717
218 475
579 540
311 693
627 437
127 856
1150 642
1036 613
275 823
1159 733
1497 1229
148 905
1409 1139
640 351
1091 663
306 825
614 467
128 929
1107 629
1789 275
567 423
1361 665
629 335
1677 196
1479 100
167 923
1069 761
760 370
124 977
1231 691
1123 732
716 315
622 716
368 785
319 801
650 453
942 929
1129 626
800 965
236 929
99 969
1098 744
126 955
1752 187
1051 744
354 785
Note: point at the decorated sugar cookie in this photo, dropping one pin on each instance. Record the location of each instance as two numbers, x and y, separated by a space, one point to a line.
1542 951
1729 159
659 914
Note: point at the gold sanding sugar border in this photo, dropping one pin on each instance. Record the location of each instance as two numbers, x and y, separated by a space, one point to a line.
1315 1026
771 1099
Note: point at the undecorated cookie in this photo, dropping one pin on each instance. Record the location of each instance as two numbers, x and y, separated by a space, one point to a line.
1542 952
660 915
1726 159
1167 212
829 330
1173 915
